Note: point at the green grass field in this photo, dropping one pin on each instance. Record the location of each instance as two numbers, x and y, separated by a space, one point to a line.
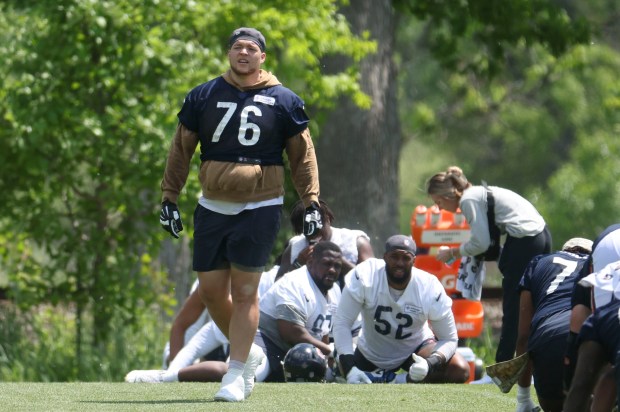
86 397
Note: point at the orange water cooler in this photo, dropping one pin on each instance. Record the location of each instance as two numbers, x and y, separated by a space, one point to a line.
432 228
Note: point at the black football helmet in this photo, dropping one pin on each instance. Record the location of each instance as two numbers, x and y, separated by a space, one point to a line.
304 363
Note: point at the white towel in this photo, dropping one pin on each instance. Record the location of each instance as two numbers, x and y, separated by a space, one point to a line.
471 277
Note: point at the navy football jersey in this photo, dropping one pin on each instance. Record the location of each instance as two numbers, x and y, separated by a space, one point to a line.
550 279
243 126
603 326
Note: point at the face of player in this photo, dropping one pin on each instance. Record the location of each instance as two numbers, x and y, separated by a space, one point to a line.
445 203
245 57
398 264
325 269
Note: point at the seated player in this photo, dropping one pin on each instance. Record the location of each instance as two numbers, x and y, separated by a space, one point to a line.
407 321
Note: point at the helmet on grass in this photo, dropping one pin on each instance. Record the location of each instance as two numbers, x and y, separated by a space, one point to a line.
304 363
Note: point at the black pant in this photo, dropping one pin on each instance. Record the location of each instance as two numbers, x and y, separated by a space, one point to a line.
516 255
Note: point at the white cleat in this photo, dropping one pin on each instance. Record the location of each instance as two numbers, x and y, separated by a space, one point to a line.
231 390
255 358
145 376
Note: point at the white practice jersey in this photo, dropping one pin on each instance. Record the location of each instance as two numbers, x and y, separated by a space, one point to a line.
605 284
346 239
391 330
296 298
606 250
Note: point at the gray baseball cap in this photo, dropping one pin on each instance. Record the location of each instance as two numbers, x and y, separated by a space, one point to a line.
400 242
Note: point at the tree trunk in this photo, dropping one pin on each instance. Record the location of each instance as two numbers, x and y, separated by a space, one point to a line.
358 150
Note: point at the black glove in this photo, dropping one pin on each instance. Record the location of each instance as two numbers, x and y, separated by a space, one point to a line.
170 218
312 220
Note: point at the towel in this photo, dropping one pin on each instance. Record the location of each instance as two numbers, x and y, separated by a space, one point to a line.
470 277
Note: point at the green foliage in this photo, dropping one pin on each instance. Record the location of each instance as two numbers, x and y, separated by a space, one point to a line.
495 27
89 94
545 127
37 346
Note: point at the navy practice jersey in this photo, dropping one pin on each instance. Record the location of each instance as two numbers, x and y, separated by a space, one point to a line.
603 326
550 278
243 126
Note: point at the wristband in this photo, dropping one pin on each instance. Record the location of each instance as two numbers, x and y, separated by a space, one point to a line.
347 362
435 362
296 264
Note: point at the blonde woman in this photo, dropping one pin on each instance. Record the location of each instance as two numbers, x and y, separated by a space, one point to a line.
526 233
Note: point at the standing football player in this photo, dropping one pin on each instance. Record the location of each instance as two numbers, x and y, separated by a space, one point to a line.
397 302
544 316
243 120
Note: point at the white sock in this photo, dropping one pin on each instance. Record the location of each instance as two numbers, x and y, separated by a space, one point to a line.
234 365
171 376
523 393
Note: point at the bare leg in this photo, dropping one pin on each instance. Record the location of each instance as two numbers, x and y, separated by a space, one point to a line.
232 300
209 371
604 397
214 290
456 371
244 319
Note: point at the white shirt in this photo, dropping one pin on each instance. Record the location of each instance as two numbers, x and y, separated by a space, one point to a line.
346 239
296 298
514 215
392 330
605 284
607 251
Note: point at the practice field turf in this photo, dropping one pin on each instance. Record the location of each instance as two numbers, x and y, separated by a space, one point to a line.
314 397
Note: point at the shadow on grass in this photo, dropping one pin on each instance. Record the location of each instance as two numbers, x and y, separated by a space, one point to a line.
171 402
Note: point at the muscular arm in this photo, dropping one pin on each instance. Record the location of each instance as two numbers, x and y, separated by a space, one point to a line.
346 314
578 315
589 363
293 334
447 336
364 249
177 165
189 313
304 168
286 265
526 312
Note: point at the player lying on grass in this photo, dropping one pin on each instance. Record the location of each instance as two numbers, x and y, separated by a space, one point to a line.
297 309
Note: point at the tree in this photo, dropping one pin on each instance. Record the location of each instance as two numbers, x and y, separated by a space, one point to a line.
90 91
359 147
540 127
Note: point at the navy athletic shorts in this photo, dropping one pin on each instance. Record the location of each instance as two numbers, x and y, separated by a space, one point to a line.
244 240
